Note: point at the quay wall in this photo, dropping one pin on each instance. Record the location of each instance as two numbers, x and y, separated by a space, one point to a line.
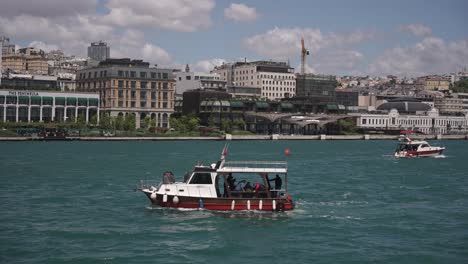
255 137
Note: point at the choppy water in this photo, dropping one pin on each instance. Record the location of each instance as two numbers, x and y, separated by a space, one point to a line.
74 202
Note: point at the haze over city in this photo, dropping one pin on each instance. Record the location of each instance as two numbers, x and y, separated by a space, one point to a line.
404 38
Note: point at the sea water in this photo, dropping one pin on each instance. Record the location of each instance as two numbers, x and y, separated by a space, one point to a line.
75 202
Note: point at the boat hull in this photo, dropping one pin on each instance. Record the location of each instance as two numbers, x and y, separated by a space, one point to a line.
222 204
426 153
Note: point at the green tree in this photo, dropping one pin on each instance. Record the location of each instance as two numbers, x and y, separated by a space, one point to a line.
129 124
119 122
81 121
93 119
211 121
226 124
105 122
147 121
192 123
460 86
239 123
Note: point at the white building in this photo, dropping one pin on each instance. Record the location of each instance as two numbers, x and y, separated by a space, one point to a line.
194 80
276 79
429 123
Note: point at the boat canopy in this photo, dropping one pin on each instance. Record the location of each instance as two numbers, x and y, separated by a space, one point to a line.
254 167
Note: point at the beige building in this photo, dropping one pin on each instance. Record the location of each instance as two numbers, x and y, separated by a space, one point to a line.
276 79
449 106
131 87
23 63
437 83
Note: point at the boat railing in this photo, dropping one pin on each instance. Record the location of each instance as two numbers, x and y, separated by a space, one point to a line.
257 164
147 184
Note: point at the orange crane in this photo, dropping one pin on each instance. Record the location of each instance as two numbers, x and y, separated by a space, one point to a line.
304 53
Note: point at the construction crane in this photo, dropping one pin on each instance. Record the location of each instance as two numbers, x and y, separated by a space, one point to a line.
304 53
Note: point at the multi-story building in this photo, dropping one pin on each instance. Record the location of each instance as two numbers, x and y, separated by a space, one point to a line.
6 46
194 80
435 82
244 91
276 79
45 106
464 100
310 85
449 105
29 82
131 87
99 51
26 61
429 123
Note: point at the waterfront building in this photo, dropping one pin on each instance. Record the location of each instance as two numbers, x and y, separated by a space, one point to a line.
449 105
99 51
276 79
30 82
194 80
310 85
46 106
244 91
131 87
429 122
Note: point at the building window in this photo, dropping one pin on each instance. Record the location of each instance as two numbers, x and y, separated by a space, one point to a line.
188 78
95 74
121 84
165 85
133 94
120 103
132 74
133 84
120 73
142 74
164 104
153 85
153 104
165 75
153 75
133 104
164 96
153 95
143 104
121 94
143 85
142 95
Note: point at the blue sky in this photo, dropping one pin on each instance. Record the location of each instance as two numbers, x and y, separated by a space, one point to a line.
407 38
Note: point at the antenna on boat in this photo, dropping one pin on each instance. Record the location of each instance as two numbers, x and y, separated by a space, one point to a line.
224 153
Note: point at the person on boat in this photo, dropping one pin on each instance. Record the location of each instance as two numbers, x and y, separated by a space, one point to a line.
278 183
231 182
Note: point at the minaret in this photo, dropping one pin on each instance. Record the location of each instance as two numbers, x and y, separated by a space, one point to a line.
187 68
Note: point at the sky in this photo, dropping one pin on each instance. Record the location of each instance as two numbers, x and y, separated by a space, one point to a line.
359 37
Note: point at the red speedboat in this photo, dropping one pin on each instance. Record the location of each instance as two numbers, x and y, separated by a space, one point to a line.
407 148
235 185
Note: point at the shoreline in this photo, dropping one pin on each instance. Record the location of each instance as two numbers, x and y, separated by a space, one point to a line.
229 137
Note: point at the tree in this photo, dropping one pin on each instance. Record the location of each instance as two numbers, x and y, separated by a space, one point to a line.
106 122
239 123
81 121
119 122
460 86
129 124
211 121
93 119
147 121
192 123
226 124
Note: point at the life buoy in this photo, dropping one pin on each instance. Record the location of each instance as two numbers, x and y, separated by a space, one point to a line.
280 207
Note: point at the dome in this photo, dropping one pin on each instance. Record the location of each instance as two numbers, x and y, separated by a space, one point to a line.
408 107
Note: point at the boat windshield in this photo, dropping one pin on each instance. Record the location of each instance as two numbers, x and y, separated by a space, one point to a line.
407 147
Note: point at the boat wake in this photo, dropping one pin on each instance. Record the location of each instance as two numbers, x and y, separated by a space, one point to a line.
442 156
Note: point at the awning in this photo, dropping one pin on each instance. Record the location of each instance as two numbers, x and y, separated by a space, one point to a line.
237 104
225 103
332 107
341 107
36 100
83 100
47 100
287 106
60 100
262 104
93 101
71 100
23 99
204 103
216 103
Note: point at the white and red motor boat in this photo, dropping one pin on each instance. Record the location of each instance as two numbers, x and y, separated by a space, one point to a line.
407 148
215 188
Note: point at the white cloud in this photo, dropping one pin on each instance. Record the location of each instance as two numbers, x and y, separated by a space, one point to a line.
43 46
329 52
431 55
240 13
178 15
207 65
419 30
